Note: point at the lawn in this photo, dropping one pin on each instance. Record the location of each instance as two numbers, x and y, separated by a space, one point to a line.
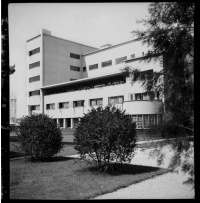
65 178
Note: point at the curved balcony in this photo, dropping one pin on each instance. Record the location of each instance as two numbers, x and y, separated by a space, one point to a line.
142 107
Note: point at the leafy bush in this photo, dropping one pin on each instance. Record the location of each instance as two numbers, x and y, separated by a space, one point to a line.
39 136
105 135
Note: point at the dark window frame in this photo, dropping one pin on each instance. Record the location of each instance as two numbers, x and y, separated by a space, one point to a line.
34 51
93 67
120 60
34 79
75 56
34 65
106 63
75 68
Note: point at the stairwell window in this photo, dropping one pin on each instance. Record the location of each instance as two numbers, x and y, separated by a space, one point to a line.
34 51
50 106
33 93
33 79
34 65
84 69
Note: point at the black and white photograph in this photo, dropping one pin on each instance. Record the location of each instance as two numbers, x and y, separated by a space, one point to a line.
100 98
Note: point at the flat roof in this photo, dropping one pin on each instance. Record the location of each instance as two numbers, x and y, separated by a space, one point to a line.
79 81
114 46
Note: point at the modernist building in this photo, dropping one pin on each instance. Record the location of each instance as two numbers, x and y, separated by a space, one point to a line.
65 79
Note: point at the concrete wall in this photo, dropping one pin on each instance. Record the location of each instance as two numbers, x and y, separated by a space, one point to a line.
134 107
57 60
126 49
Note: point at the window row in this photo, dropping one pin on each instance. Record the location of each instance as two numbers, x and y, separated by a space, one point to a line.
143 96
147 120
75 68
33 79
34 65
92 102
34 51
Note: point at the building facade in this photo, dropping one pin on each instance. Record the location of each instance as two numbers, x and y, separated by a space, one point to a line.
66 79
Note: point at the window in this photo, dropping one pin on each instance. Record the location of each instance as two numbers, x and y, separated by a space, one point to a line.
147 120
64 105
96 102
74 68
142 96
34 65
115 100
120 60
71 79
92 67
142 53
106 63
34 51
79 103
61 123
84 69
32 93
75 56
33 79
144 74
50 106
133 56
35 107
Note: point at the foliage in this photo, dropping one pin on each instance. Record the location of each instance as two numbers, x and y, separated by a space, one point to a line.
39 136
170 34
105 135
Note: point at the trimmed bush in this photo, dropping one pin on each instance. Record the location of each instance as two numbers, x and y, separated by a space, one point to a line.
39 136
104 136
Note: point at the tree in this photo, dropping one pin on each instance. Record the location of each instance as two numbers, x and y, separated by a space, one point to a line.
170 33
39 136
104 135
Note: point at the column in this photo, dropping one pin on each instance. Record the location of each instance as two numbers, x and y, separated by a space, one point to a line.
72 123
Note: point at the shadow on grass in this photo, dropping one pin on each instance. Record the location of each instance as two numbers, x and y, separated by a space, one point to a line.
123 169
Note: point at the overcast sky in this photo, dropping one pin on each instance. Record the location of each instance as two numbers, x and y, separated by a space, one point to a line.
93 24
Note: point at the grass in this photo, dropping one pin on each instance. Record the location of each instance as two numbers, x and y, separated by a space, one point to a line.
63 178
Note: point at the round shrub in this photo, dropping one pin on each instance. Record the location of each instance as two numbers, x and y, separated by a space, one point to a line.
104 136
39 136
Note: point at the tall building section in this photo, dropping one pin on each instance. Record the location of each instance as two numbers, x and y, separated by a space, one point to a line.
66 79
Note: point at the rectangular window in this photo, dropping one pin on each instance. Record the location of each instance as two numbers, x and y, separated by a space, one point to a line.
142 96
79 103
74 68
147 121
92 67
34 51
133 56
34 65
61 123
142 53
33 93
116 100
33 79
120 60
75 56
35 107
64 105
71 79
106 63
50 106
96 102
84 69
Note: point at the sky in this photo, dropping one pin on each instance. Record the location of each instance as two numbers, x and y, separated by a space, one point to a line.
92 24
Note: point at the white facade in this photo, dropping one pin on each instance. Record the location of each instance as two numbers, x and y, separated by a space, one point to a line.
63 90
